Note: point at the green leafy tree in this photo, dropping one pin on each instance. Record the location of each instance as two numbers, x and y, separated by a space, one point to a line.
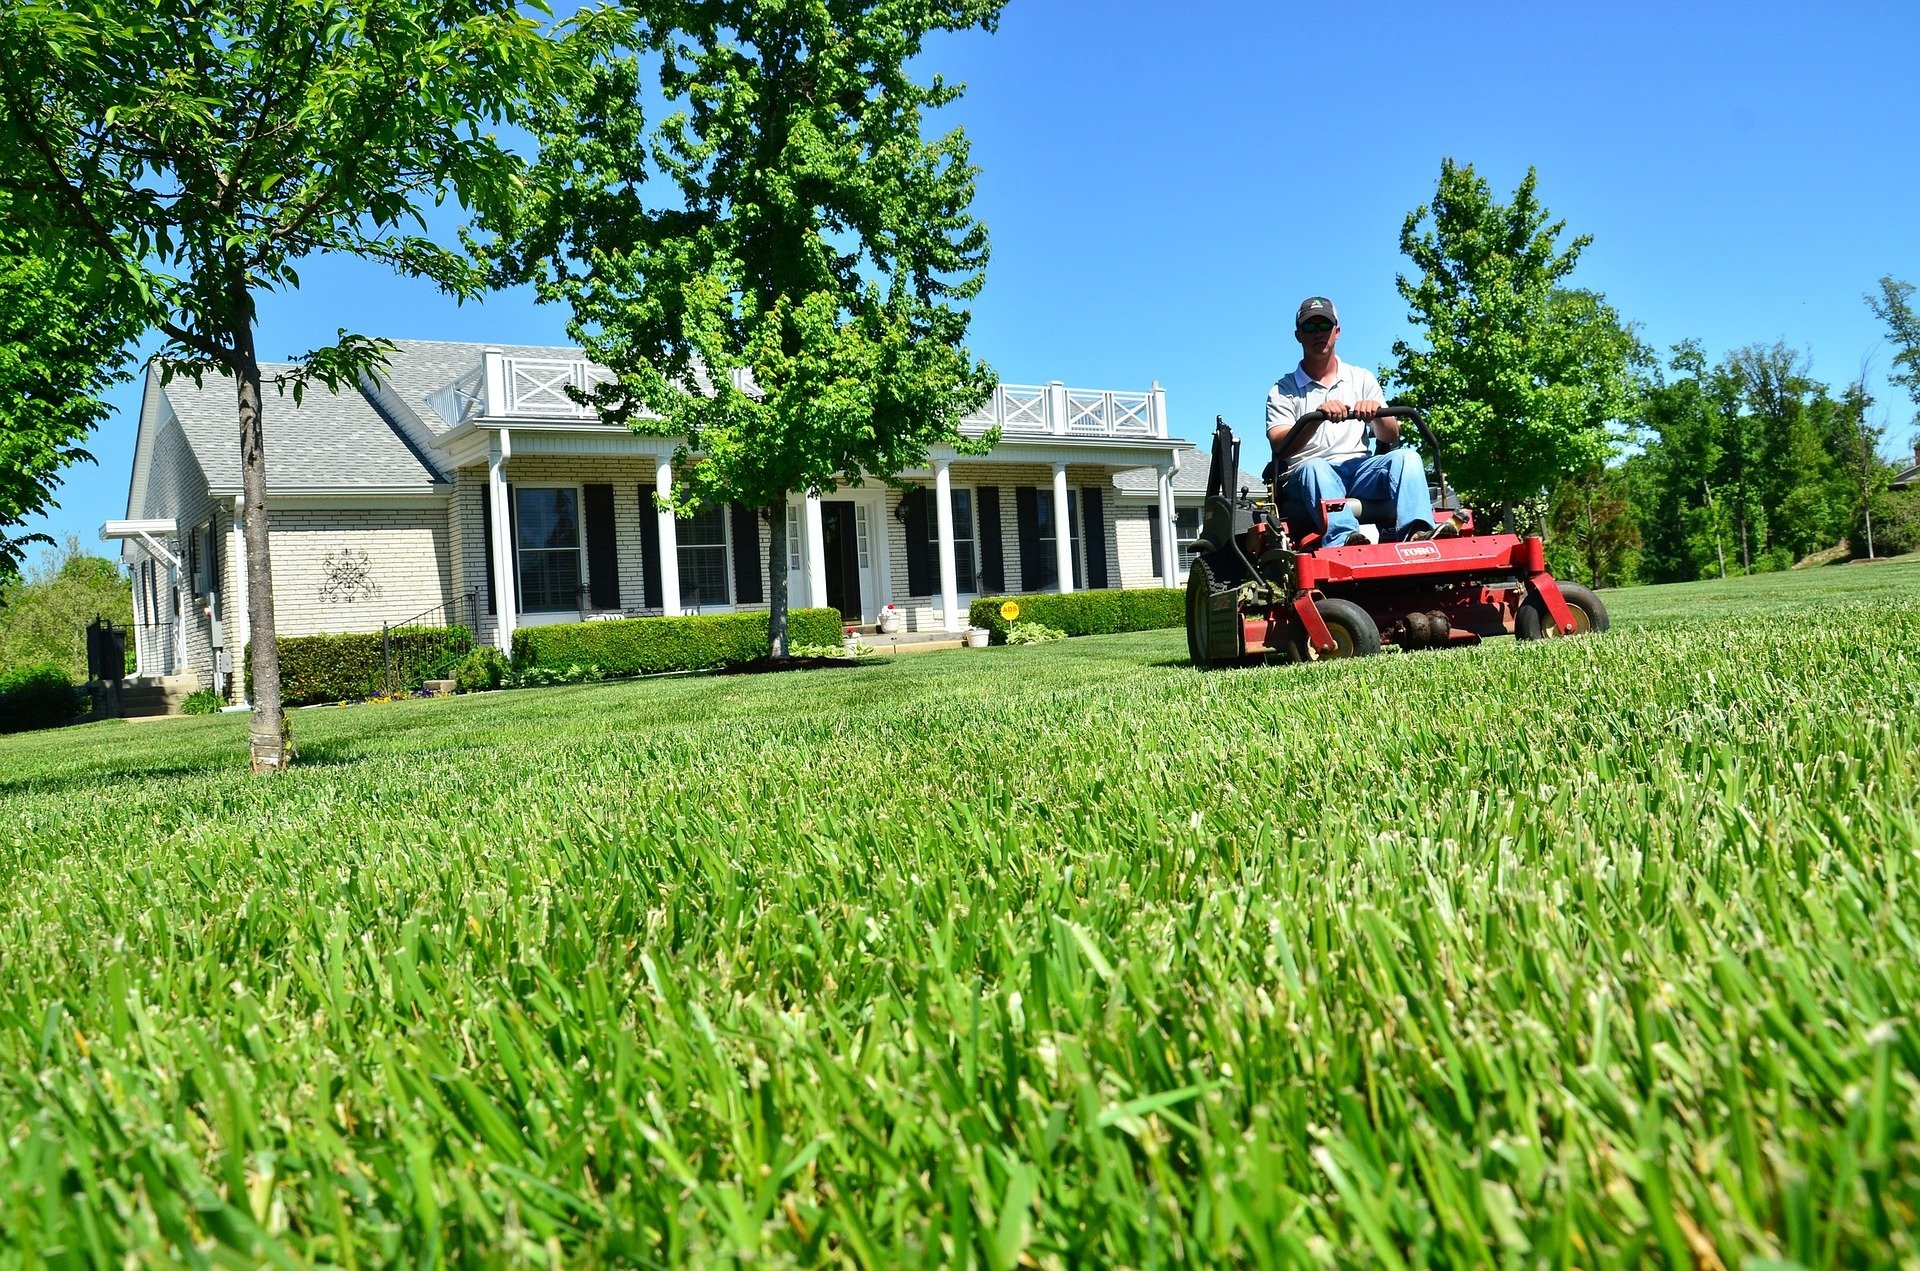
1682 532
45 612
203 148
1522 377
1894 307
784 286
1593 529
65 326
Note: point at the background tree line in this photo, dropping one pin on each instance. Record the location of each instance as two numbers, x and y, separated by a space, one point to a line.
1553 412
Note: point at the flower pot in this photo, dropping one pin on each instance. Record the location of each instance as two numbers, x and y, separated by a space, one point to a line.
892 625
977 637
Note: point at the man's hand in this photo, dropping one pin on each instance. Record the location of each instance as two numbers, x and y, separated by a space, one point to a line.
1365 410
1332 409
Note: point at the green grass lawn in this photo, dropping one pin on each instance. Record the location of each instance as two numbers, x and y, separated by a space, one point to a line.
1599 951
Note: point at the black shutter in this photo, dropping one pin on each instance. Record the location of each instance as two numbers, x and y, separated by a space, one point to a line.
1094 535
748 565
1026 511
993 564
650 548
919 568
486 540
513 549
213 555
603 556
193 562
1153 536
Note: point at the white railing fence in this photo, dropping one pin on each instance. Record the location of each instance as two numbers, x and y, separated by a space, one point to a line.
1054 410
536 388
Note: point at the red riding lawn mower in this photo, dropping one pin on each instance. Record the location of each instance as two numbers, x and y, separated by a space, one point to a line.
1264 588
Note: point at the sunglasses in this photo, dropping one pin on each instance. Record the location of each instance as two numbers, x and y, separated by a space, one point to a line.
1316 326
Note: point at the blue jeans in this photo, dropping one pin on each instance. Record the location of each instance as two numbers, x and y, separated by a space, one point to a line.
1397 477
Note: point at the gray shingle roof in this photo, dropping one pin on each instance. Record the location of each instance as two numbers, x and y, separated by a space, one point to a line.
330 441
1189 479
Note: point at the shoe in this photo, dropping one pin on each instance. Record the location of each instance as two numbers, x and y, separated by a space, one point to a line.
1366 535
1446 529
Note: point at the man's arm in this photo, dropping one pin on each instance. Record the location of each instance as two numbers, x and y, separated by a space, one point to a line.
1282 410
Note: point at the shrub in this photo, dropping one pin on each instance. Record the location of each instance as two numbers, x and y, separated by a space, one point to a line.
1896 524
1087 612
202 701
1033 633
483 669
649 646
345 668
38 697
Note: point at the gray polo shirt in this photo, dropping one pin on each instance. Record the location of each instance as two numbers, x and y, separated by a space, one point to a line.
1298 393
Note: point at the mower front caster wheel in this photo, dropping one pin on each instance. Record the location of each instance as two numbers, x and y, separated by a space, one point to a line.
1533 623
1352 628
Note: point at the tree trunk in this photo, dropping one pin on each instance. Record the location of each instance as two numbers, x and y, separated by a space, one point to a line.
269 740
777 580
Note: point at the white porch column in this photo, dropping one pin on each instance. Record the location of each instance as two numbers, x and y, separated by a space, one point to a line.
139 627
943 523
505 603
669 562
816 536
1062 528
240 630
1169 554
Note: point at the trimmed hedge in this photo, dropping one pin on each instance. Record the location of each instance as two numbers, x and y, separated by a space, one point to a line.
1087 612
649 646
38 697
345 668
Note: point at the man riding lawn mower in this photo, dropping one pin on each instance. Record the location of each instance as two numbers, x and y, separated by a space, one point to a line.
1264 586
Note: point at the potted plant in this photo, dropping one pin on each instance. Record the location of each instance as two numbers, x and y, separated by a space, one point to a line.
892 621
977 637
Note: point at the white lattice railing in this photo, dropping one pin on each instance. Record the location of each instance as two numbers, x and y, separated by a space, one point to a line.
1054 410
536 388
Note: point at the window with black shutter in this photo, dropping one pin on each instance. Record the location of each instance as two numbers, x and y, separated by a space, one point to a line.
1096 538
749 566
914 511
603 553
651 592
1034 571
993 568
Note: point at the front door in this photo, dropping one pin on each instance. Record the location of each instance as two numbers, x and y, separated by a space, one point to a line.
840 536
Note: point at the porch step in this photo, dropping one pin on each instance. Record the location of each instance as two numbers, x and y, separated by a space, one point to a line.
148 698
912 642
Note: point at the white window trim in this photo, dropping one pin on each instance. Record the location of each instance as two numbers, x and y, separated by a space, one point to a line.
548 617
961 594
726 562
1076 498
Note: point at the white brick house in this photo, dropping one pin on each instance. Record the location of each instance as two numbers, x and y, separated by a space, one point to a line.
464 475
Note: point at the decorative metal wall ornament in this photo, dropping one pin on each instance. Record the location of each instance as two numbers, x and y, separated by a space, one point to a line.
346 577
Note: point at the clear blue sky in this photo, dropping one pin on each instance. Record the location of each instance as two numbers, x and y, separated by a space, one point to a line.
1165 181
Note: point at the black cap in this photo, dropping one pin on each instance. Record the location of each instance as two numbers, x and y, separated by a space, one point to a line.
1315 307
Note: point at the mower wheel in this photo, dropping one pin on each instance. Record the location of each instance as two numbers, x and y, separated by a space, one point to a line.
1204 578
1355 635
1532 622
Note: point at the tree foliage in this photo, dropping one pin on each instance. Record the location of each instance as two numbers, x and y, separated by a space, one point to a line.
65 327
45 612
1749 464
203 148
1522 375
778 271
